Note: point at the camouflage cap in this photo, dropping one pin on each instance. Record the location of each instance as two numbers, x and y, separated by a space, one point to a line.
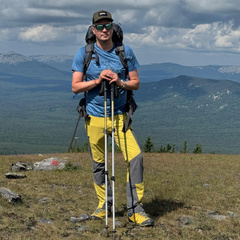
101 14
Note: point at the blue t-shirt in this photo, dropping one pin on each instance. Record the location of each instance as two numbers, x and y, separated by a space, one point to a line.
107 60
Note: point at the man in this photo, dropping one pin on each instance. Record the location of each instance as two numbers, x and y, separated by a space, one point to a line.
109 68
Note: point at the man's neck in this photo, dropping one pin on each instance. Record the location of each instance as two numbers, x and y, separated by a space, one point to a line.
105 45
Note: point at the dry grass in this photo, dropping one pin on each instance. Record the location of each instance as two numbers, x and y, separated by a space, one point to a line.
176 186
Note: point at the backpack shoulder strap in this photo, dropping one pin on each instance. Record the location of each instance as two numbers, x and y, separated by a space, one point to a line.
131 105
89 50
120 51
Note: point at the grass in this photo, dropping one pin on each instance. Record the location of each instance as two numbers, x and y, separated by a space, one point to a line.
182 192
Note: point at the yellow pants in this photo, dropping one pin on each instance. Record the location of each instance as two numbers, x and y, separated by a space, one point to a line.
132 155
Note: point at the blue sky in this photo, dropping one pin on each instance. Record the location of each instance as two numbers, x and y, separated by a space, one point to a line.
188 32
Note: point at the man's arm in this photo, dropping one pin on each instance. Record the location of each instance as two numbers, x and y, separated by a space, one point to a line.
132 84
78 85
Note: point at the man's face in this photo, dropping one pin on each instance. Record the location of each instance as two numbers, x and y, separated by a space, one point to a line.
104 34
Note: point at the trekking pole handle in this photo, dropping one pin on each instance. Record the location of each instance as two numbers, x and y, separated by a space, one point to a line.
114 89
103 87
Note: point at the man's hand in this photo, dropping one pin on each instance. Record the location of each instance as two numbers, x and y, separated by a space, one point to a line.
107 75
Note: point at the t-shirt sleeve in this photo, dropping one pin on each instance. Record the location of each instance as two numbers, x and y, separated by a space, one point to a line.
78 61
131 59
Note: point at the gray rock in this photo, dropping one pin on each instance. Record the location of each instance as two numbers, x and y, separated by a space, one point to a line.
82 218
82 228
21 166
15 175
118 224
75 219
216 216
185 221
45 221
52 163
43 200
9 195
232 214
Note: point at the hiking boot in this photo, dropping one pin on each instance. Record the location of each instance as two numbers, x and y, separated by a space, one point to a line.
99 213
141 219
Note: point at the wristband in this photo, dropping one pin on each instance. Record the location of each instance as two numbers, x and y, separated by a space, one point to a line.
124 84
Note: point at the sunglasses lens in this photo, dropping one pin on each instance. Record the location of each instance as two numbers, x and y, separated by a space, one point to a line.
99 27
108 26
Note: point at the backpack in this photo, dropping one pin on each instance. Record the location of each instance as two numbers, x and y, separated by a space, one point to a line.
90 39
117 38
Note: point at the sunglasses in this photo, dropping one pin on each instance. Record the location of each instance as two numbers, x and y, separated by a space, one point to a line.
100 27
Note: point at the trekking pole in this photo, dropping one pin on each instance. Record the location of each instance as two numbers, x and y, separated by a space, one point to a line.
82 113
104 91
113 160
74 133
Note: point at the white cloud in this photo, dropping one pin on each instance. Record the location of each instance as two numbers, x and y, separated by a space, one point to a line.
44 33
190 25
60 13
228 37
216 36
213 37
212 5
4 34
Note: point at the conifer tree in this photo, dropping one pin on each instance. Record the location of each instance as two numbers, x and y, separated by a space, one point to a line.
149 146
185 150
197 149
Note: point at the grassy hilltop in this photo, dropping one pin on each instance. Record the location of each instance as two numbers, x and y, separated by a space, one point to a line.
189 196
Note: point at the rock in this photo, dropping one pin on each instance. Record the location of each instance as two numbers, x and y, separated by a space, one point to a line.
21 166
52 163
185 221
15 175
9 195
82 229
216 216
75 219
82 218
43 200
232 214
45 221
118 224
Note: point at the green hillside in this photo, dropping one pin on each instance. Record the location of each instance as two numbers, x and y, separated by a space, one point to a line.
33 69
159 71
39 116
197 110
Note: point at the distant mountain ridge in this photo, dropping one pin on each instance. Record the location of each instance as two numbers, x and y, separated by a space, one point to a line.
147 73
61 62
52 58
13 58
158 71
19 65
